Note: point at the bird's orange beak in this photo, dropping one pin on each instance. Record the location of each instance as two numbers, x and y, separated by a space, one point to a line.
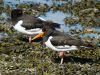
38 35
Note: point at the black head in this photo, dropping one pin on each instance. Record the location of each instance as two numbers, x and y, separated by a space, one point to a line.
15 13
56 25
47 25
50 25
48 30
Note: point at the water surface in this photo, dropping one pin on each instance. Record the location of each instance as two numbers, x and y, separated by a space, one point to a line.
57 17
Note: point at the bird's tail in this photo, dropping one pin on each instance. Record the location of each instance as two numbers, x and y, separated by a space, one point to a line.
87 45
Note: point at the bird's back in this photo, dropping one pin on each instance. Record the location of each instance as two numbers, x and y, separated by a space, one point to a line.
29 22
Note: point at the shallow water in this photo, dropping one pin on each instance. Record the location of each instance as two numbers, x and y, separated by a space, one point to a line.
3 35
57 17
49 2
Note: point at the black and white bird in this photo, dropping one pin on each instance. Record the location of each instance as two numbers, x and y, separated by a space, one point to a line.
28 24
61 42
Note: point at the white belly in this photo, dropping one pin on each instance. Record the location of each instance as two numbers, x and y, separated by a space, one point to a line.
60 48
21 29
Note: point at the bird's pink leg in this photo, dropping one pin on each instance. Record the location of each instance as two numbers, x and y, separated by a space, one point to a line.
61 55
62 60
30 39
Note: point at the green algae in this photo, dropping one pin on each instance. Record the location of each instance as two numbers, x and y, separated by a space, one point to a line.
18 57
